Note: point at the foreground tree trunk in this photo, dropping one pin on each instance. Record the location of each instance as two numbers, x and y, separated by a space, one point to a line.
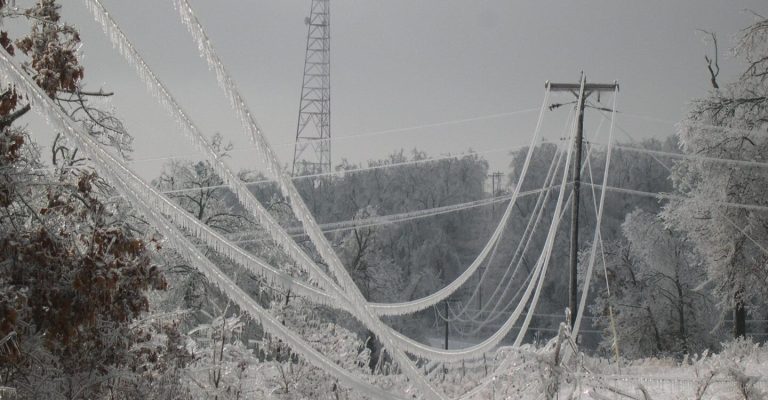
739 319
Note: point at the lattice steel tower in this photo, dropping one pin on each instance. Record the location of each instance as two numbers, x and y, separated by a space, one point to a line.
312 151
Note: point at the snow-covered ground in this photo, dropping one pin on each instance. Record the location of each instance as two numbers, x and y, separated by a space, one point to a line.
740 371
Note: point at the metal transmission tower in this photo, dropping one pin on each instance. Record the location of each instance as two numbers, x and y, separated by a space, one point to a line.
312 151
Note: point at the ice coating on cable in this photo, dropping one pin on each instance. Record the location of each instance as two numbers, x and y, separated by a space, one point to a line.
103 162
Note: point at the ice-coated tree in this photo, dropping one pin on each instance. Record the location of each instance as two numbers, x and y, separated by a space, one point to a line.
731 123
378 278
75 277
628 170
197 189
656 293
77 271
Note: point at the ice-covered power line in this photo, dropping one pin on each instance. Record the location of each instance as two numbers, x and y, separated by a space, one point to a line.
518 258
695 157
612 320
339 226
469 154
343 172
694 124
753 207
437 124
428 301
515 260
363 135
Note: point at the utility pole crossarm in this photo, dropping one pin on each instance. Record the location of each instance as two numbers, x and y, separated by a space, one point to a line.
589 87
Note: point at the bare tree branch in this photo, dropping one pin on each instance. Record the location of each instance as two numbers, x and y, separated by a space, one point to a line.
713 63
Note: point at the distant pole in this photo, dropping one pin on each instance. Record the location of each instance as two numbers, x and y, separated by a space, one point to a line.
582 90
445 302
480 289
495 185
739 318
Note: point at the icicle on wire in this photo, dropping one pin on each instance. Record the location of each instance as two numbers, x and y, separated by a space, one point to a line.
219 244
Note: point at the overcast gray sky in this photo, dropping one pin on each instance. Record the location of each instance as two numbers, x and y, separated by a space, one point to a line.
400 63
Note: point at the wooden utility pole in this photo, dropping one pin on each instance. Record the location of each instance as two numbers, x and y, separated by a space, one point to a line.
480 288
739 317
446 323
495 185
582 91
446 319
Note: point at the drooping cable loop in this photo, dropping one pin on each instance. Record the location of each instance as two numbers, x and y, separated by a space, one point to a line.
428 301
525 238
491 317
479 349
530 226
544 258
517 258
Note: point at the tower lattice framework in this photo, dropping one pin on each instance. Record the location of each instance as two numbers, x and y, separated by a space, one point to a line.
312 151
